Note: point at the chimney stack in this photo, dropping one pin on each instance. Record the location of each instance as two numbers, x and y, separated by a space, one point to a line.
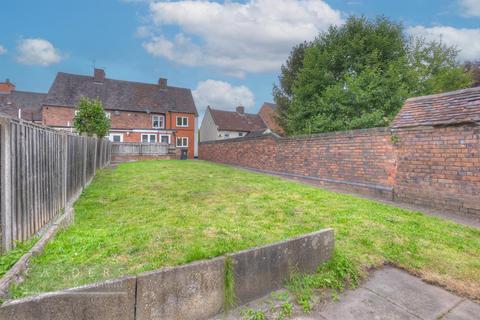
162 83
98 75
7 86
240 110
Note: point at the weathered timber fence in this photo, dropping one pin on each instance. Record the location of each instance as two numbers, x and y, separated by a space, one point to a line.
42 169
131 151
140 148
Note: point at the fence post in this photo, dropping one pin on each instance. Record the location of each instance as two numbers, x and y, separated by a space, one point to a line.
85 158
65 168
6 183
95 156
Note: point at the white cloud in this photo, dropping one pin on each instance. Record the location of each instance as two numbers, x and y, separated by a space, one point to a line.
467 40
221 95
470 7
255 36
38 52
2 49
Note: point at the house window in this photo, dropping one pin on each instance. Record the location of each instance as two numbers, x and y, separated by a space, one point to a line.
227 135
165 138
149 138
182 121
158 122
108 115
240 134
116 137
182 142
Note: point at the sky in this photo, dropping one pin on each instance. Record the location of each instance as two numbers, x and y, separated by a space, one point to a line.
228 52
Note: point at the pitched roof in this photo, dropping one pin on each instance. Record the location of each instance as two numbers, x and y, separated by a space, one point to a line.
269 104
29 102
67 89
234 121
461 106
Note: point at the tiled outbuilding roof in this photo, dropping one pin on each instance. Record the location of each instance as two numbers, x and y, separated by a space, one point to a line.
30 104
461 106
234 121
67 89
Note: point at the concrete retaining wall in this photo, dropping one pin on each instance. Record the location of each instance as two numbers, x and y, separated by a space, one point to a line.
259 271
192 291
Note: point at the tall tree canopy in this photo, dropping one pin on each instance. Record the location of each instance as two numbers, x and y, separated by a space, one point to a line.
90 118
359 74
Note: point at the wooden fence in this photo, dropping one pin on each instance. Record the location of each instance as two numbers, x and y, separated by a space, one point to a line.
42 170
140 148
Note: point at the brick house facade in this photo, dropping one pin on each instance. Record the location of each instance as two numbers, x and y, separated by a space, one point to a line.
139 112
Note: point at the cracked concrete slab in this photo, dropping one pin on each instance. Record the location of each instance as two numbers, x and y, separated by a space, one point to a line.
399 287
466 310
389 293
363 304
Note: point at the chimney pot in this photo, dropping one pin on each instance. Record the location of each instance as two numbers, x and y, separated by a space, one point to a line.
98 75
240 109
162 83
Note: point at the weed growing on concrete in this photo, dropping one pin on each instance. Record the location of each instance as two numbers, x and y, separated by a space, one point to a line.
286 310
229 284
336 274
250 314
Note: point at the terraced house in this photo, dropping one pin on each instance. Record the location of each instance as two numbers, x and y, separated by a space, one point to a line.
139 112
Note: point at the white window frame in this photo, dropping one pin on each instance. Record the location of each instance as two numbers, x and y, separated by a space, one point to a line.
227 135
108 115
161 121
164 135
182 125
116 134
149 135
183 144
240 134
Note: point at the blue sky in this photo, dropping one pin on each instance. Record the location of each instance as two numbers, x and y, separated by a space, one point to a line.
228 53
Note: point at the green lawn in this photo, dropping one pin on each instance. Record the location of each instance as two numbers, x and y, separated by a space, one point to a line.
146 215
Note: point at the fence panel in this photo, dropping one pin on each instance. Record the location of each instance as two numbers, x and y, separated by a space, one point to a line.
41 170
139 148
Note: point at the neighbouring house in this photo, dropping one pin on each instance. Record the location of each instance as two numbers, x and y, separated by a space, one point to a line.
139 112
220 124
268 113
20 104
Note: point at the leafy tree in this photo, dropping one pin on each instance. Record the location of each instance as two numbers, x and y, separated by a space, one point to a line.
473 67
283 94
358 75
91 118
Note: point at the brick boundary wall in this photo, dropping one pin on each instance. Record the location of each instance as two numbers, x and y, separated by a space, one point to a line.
435 167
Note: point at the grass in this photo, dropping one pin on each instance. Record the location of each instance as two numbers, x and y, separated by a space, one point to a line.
11 257
146 215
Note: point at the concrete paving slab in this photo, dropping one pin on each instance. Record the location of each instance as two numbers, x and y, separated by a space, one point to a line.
411 293
467 310
362 304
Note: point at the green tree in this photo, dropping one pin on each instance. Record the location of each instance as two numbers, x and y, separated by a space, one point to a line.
91 118
283 94
359 74
473 67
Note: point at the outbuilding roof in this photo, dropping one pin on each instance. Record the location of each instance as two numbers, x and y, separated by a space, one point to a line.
30 104
235 121
67 89
456 107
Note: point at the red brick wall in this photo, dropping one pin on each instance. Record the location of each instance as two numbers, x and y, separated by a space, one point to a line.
362 159
437 167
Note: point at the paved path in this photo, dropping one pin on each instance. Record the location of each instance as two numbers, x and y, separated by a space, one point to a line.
391 293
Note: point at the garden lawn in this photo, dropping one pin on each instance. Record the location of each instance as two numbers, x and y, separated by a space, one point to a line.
147 215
